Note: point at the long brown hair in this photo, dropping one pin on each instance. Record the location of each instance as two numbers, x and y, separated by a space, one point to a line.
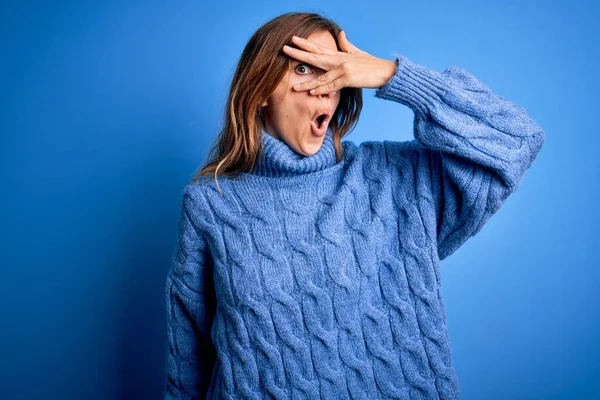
260 68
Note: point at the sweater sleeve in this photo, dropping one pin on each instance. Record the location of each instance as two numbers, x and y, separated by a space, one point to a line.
190 307
472 146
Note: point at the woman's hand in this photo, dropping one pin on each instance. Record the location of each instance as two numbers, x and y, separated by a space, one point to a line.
351 67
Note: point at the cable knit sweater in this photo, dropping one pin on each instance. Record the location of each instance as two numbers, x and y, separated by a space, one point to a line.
315 279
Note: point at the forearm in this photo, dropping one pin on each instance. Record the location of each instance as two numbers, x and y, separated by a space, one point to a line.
457 114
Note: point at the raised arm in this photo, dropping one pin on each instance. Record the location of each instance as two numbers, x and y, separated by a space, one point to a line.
190 309
472 146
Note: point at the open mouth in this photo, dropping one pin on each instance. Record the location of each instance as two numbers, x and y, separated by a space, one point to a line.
320 123
320 119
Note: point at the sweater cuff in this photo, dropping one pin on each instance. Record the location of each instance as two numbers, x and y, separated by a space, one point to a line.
414 85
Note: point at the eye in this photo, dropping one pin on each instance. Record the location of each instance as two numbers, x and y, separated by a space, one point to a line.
302 65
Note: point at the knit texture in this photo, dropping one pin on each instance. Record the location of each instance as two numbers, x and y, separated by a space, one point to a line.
315 279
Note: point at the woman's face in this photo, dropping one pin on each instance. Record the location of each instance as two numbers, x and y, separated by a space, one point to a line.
289 113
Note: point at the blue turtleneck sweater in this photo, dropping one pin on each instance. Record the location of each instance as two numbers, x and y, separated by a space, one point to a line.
316 279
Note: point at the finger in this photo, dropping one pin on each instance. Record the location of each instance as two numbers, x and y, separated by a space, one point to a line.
311 58
311 46
329 87
320 81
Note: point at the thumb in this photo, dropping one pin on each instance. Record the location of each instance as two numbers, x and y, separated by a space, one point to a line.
345 45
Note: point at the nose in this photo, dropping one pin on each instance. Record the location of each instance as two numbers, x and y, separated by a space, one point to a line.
330 94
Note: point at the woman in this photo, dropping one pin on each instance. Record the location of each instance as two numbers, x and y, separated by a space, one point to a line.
310 268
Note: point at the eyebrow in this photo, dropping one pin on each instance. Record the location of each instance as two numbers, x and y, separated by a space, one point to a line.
296 62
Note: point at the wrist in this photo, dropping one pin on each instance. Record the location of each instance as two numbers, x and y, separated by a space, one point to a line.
388 69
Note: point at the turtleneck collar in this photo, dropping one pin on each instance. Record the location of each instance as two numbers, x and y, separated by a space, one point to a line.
278 159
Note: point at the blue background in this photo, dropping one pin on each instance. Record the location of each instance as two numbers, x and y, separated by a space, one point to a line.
108 108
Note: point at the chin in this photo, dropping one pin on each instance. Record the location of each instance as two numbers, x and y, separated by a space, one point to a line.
305 153
310 148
